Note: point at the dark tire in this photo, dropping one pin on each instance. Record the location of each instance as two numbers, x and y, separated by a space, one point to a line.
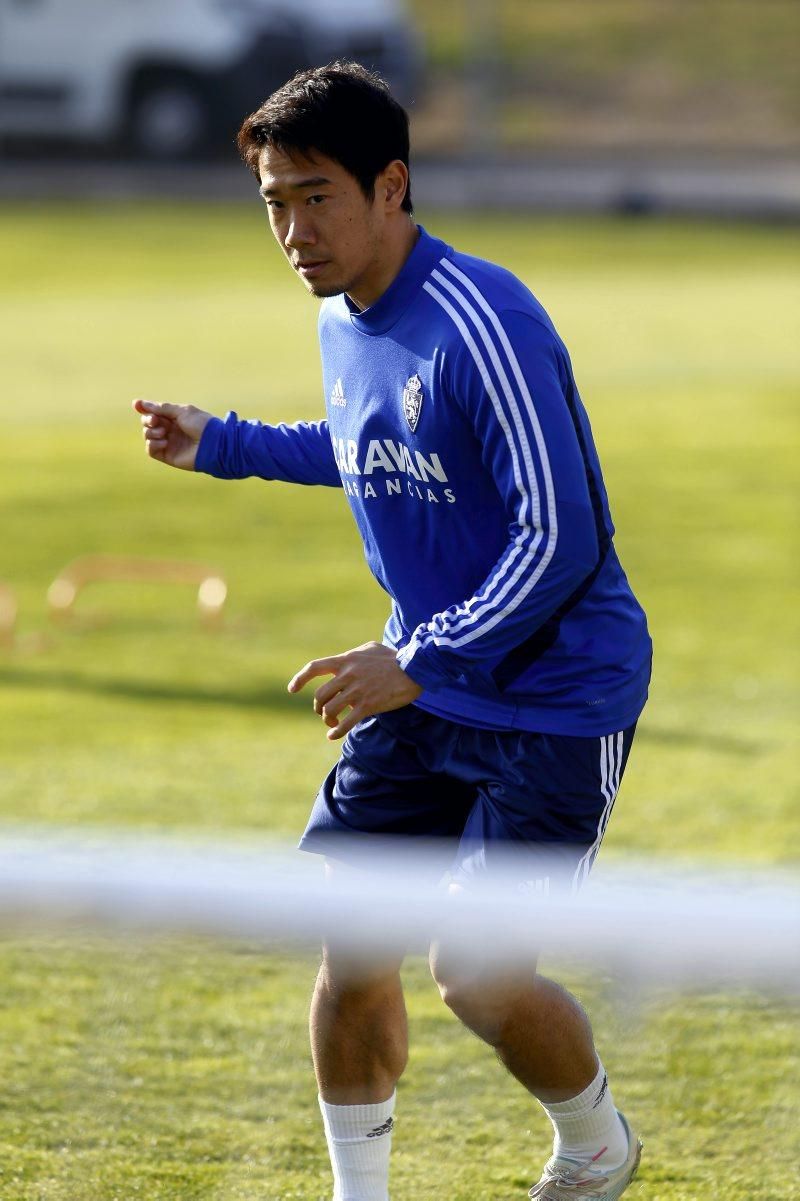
169 118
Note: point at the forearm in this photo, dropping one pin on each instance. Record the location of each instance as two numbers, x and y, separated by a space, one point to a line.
524 591
299 453
526 419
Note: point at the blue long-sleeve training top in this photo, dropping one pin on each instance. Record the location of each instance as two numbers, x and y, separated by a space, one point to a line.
456 430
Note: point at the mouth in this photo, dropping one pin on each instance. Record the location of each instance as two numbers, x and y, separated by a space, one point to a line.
311 268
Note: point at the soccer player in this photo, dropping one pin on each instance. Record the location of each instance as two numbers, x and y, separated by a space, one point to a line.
500 707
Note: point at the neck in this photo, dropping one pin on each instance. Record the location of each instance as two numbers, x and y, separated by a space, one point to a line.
374 283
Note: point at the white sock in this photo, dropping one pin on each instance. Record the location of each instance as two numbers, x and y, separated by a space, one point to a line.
359 1141
588 1126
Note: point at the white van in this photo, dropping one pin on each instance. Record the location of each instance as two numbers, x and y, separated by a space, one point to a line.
171 78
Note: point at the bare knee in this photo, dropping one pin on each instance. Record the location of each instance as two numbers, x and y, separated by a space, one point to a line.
348 978
483 1000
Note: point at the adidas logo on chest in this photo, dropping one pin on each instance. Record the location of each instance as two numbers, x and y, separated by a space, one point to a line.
337 395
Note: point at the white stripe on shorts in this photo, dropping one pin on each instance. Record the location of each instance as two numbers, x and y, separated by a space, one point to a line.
611 747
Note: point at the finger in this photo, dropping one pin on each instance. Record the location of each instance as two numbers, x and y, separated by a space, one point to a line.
317 667
151 420
326 692
345 725
157 432
331 712
161 410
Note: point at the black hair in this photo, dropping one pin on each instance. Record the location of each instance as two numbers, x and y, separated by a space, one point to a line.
344 112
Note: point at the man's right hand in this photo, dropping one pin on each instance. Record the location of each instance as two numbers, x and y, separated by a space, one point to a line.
172 433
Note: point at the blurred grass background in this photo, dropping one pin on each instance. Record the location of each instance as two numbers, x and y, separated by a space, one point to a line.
179 1069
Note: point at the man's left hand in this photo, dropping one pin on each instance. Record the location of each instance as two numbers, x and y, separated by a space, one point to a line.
367 680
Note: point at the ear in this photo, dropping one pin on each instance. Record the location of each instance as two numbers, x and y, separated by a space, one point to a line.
392 185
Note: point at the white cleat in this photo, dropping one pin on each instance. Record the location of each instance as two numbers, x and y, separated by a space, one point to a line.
568 1180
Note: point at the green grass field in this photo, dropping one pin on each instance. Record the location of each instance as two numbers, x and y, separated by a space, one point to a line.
179 1069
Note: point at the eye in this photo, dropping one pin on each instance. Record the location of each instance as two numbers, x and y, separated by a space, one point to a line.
274 205
316 199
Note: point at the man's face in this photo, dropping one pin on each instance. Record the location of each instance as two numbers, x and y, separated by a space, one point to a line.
326 227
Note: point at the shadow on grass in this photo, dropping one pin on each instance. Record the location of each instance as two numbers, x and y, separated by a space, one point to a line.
275 696
268 696
723 744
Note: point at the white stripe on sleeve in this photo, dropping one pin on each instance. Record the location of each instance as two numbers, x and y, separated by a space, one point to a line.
453 631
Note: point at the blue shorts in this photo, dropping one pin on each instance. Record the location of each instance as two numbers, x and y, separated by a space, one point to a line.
479 792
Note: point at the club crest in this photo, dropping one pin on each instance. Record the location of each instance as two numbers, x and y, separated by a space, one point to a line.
412 401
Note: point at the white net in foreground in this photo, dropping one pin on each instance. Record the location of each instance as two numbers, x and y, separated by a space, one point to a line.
651 920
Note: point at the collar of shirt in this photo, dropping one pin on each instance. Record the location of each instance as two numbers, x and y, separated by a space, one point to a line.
388 309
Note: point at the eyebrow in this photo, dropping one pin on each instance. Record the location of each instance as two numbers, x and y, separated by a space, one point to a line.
316 181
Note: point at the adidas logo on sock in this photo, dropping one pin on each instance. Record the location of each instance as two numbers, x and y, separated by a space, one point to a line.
602 1093
386 1128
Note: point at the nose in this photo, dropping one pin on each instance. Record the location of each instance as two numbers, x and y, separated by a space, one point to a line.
300 231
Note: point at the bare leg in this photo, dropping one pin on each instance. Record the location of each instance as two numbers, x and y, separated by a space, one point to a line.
540 1033
359 1042
359 1031
543 1037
